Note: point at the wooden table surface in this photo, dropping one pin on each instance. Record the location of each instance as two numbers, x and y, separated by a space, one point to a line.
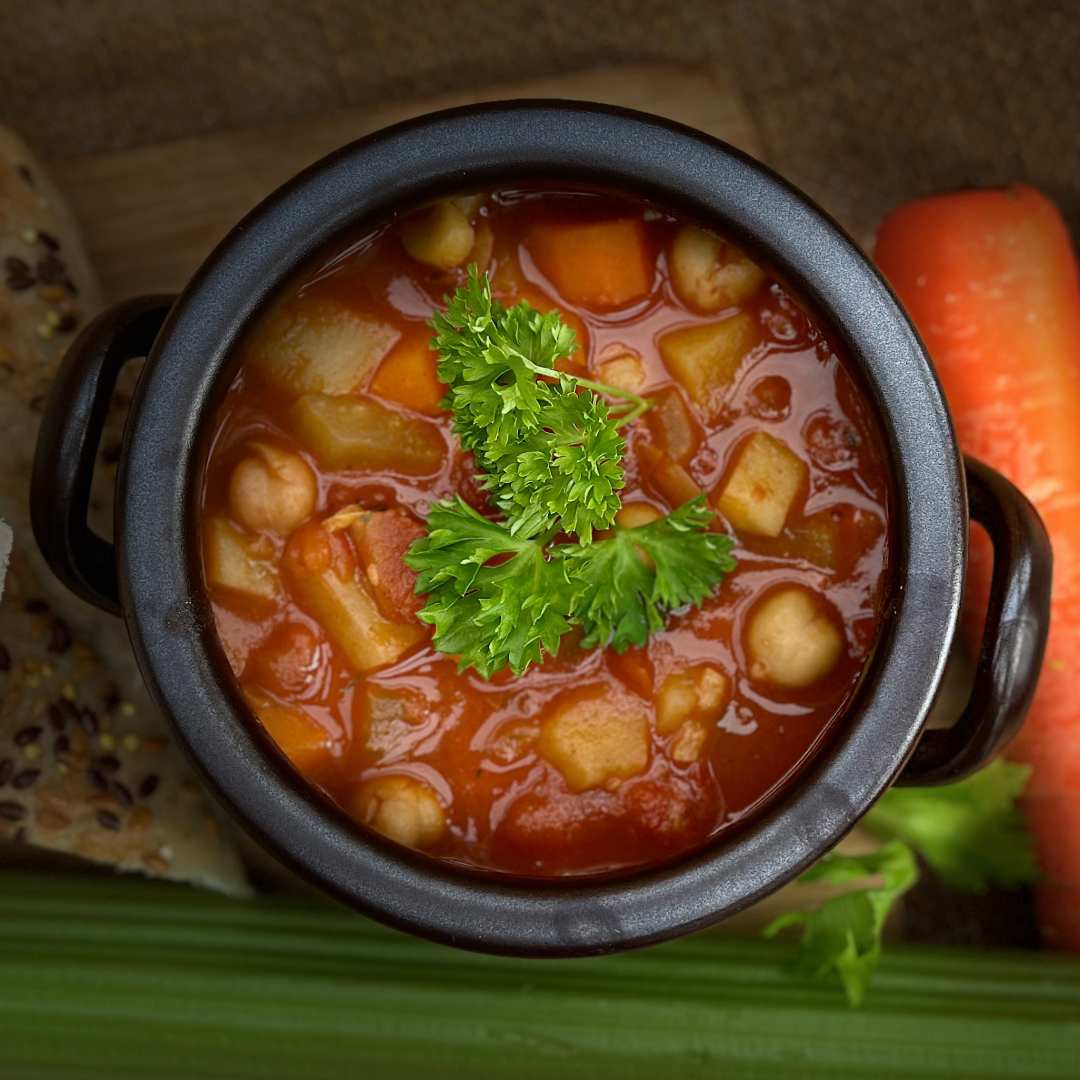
151 215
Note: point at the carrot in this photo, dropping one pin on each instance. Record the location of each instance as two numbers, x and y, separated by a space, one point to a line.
409 376
594 265
301 738
991 282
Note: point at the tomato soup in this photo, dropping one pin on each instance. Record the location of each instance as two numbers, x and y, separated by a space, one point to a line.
331 447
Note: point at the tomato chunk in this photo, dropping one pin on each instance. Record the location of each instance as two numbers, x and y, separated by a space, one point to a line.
382 540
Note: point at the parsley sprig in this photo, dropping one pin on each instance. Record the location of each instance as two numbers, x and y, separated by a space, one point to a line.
500 593
971 834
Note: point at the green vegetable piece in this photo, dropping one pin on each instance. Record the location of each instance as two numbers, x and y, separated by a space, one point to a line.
491 615
844 933
970 833
299 988
625 599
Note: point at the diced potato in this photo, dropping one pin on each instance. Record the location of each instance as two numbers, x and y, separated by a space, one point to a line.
595 265
402 808
700 691
301 738
633 515
320 346
382 539
704 360
710 274
763 486
359 433
272 489
321 566
676 702
673 429
595 740
713 689
239 562
791 641
409 376
621 369
439 236
689 743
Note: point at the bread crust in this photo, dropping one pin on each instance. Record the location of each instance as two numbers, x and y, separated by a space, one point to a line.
87 766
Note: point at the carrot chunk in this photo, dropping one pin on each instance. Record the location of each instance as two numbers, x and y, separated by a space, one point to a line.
382 541
300 737
598 265
409 376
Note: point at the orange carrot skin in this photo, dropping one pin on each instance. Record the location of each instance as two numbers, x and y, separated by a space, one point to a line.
990 280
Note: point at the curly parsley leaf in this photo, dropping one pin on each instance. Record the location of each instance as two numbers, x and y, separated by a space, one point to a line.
494 599
843 935
490 358
625 599
970 833
566 471
549 451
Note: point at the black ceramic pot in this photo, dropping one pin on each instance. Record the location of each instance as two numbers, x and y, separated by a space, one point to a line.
154 577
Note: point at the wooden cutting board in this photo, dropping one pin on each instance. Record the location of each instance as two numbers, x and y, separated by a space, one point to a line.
150 216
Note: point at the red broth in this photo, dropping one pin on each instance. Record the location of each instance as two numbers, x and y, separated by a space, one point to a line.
696 730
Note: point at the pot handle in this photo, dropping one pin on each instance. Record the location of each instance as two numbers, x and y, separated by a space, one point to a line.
68 441
1014 639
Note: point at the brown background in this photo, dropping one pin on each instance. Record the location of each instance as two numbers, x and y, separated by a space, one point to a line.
862 104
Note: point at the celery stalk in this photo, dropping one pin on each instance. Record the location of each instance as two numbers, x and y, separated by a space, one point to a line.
118 978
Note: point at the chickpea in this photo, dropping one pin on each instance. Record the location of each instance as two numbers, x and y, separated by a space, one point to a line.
708 273
792 642
622 369
272 489
402 808
440 236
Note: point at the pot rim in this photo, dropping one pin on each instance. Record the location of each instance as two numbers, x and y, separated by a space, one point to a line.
167 440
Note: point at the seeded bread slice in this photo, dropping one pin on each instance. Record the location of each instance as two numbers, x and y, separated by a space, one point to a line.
86 769
5 552
86 764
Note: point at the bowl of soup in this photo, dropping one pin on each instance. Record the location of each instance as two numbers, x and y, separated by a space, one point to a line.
643 737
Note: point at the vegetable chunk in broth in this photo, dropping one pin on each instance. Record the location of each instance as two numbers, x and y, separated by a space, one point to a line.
738 443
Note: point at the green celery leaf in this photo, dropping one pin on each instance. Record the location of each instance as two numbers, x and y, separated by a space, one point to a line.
624 599
491 616
970 833
844 933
